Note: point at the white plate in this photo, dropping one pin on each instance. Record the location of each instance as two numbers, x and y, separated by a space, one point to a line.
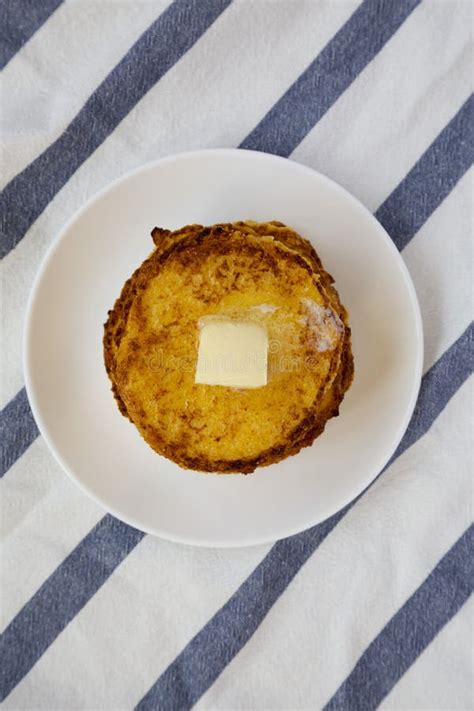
83 274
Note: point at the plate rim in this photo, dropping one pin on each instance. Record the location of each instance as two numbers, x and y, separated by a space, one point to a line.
196 540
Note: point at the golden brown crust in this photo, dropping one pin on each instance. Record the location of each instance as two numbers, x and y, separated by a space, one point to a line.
274 245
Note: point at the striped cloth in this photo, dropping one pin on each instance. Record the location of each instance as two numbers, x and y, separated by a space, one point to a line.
370 608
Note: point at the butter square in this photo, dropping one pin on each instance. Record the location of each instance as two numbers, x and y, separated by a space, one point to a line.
232 353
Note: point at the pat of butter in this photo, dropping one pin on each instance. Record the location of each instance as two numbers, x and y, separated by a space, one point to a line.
232 353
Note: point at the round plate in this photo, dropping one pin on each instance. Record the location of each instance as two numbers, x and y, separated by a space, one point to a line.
83 274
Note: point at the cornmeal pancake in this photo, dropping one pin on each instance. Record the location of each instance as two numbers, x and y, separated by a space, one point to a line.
264 273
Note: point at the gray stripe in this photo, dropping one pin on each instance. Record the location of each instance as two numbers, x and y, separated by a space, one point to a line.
17 430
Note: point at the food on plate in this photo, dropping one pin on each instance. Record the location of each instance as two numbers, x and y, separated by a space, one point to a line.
229 348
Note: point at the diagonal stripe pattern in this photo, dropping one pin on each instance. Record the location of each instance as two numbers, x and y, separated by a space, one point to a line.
410 630
158 49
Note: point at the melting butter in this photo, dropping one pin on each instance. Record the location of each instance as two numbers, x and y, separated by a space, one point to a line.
232 354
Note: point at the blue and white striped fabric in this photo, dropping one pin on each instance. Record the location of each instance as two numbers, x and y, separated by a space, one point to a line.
370 608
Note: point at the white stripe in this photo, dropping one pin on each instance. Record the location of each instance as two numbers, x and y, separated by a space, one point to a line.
167 121
363 572
162 595
442 677
49 80
375 133
26 484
